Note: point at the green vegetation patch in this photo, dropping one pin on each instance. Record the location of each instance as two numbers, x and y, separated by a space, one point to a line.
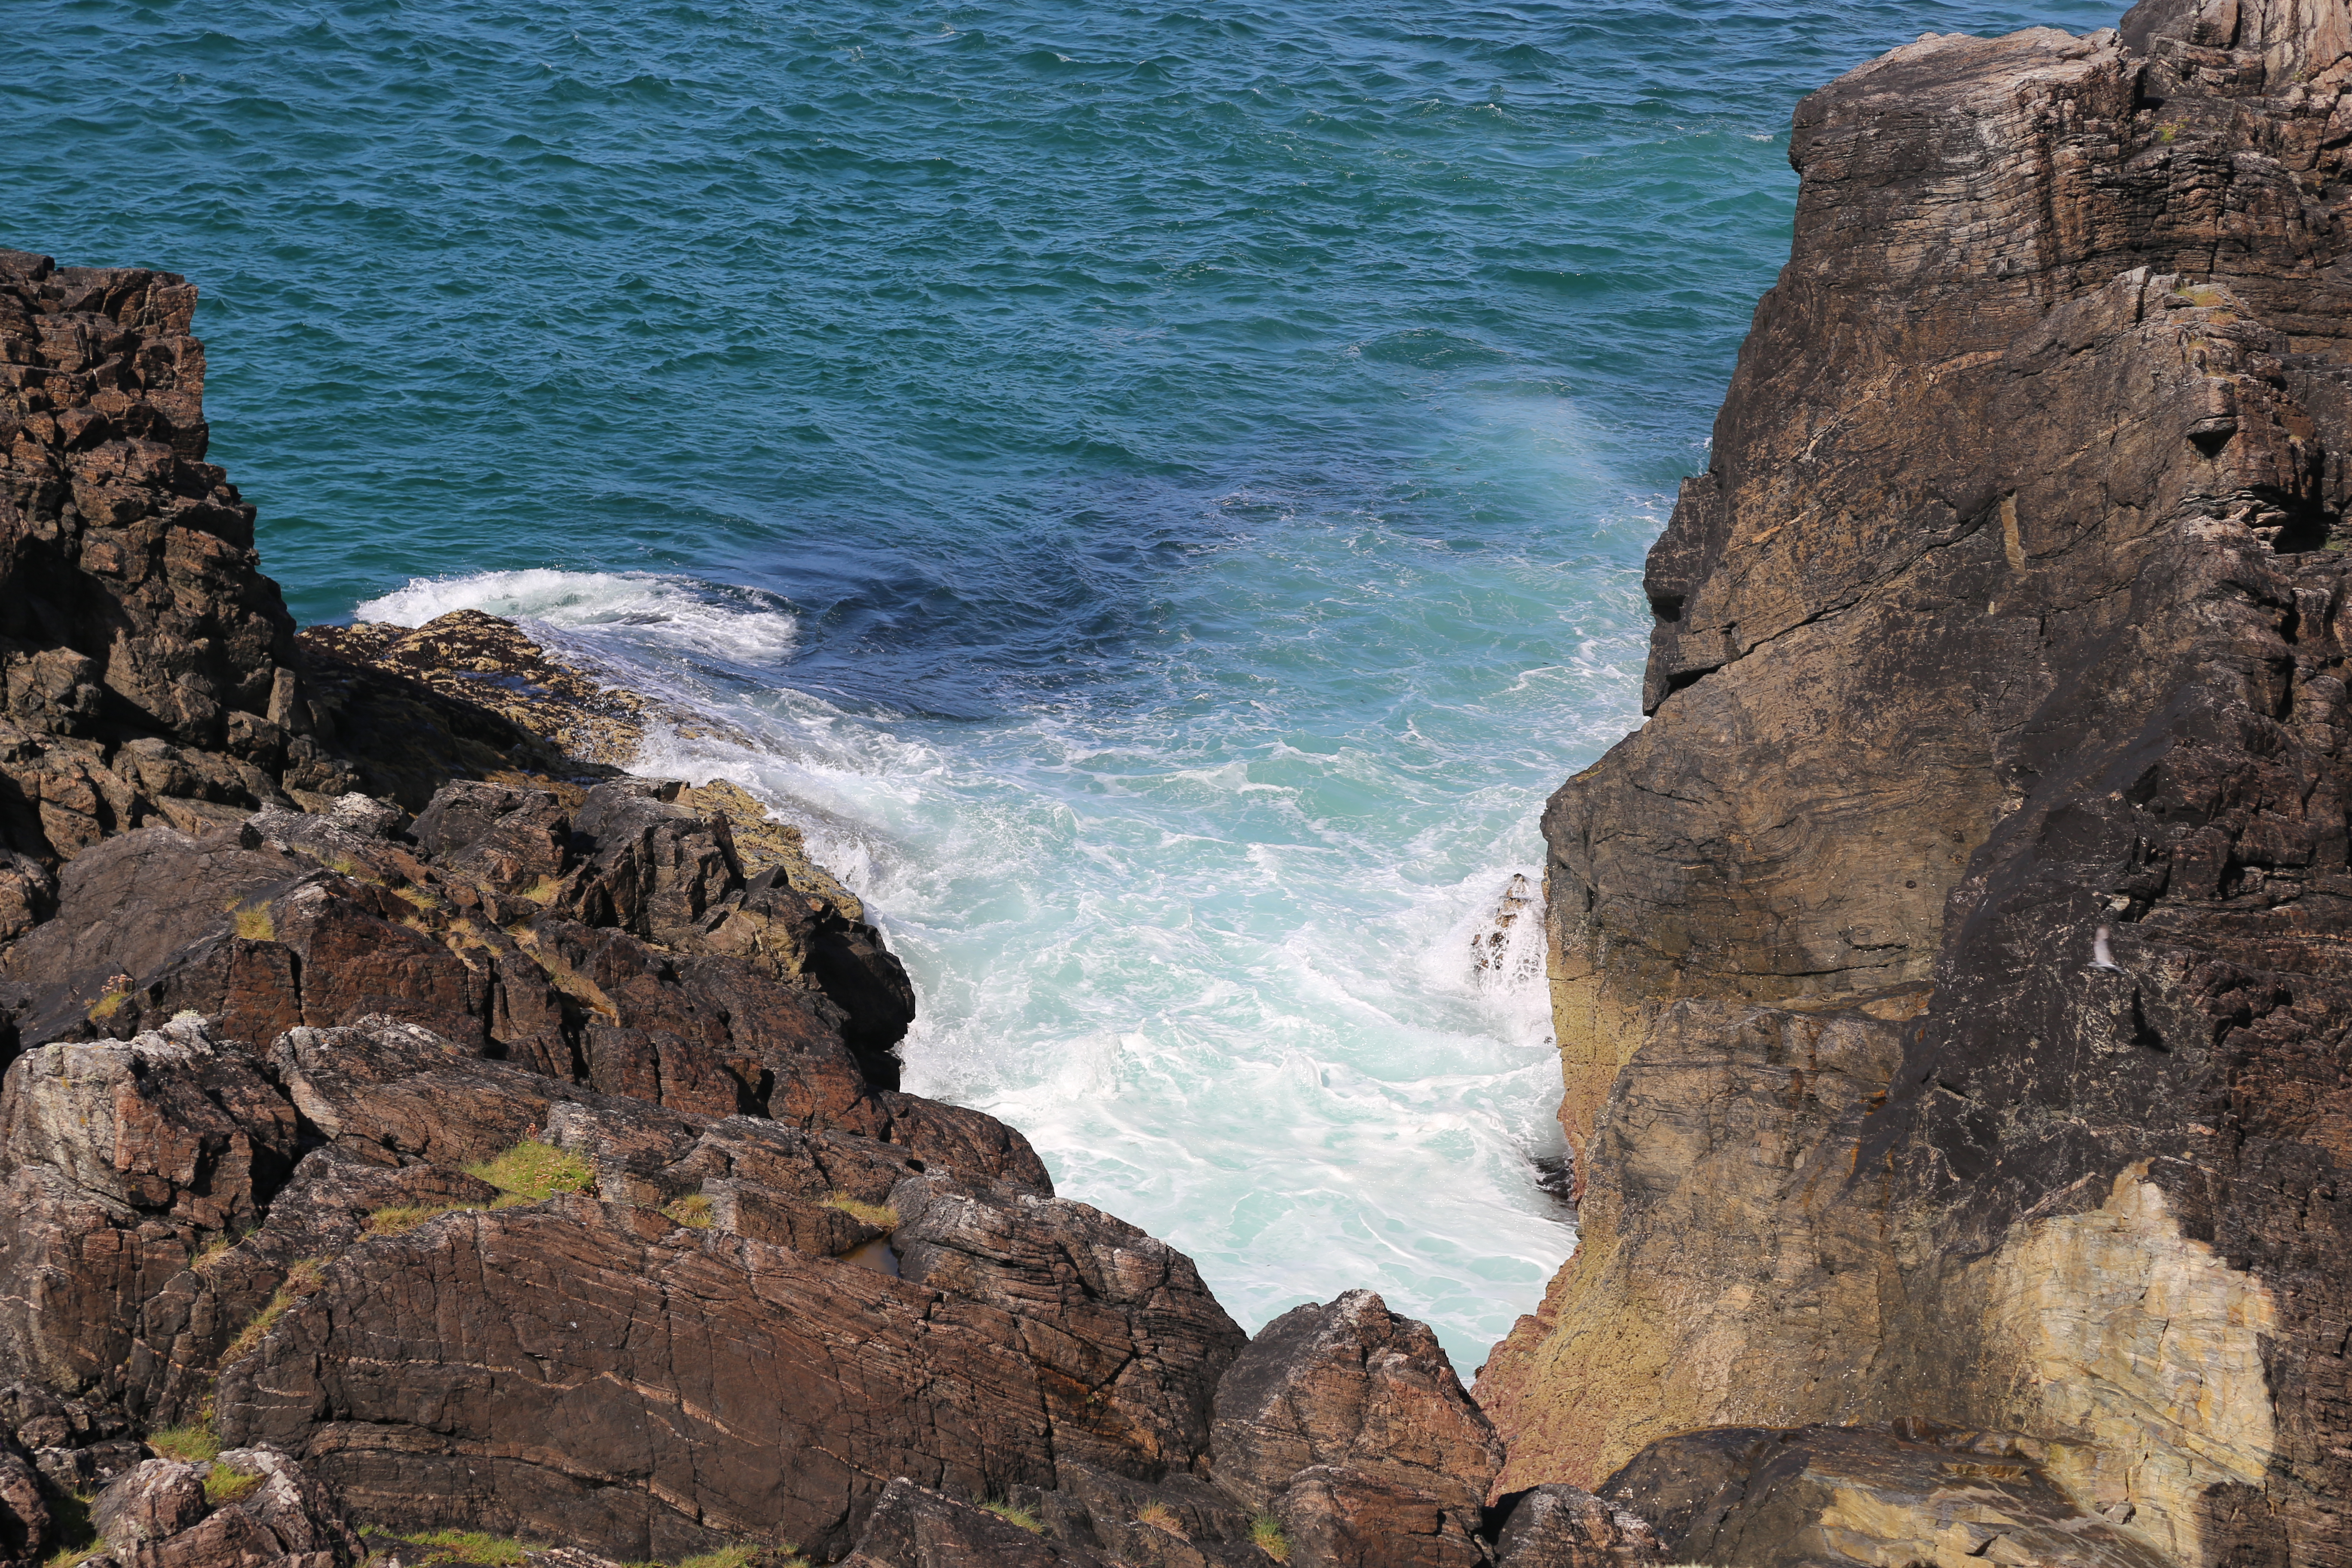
881 1214
741 1556
468 1546
1011 1513
693 1211
226 1484
532 1171
1160 1516
398 1219
1268 1536
257 925
189 1445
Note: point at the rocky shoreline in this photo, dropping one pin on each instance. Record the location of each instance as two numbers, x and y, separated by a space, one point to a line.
425 1142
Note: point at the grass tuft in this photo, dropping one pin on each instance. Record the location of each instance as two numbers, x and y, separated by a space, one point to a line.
693 1211
226 1484
108 1006
1011 1513
468 1546
301 1280
532 1171
881 1214
398 1219
1268 1536
1160 1516
257 925
738 1555
189 1445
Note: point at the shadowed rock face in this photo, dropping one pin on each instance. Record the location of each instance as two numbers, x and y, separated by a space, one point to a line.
2011 608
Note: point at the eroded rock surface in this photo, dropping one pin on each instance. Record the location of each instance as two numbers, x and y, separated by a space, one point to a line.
1950 977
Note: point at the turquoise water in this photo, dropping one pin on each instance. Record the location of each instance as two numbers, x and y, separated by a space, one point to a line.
1160 488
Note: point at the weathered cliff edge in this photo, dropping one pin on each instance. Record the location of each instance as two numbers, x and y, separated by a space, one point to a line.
2010 609
411 1123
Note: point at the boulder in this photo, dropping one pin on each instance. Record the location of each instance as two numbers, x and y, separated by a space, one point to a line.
26 1524
1348 1422
250 1508
157 1500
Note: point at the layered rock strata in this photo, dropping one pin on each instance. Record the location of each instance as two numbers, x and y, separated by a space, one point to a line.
1952 975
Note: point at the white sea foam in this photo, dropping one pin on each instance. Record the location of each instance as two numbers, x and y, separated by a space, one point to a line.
733 624
1218 963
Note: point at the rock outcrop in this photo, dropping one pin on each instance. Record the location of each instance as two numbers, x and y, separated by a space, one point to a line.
1951 976
150 673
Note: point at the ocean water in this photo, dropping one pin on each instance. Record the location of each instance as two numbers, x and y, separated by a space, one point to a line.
1158 490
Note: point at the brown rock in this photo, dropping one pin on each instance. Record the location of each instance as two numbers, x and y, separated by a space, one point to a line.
1338 1517
159 1498
149 668
122 1162
1131 1369
137 903
26 1526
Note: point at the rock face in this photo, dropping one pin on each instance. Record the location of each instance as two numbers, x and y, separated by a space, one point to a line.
1950 976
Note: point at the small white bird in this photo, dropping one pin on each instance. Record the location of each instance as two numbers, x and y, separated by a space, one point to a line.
2101 955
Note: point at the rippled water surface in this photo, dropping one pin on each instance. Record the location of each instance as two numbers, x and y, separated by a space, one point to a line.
1163 486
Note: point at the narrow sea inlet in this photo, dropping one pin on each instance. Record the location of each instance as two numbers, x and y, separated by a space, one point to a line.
1159 490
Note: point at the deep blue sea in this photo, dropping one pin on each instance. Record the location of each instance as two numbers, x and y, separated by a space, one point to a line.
1160 487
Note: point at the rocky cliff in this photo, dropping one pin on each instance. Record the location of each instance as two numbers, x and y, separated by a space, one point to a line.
1954 975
